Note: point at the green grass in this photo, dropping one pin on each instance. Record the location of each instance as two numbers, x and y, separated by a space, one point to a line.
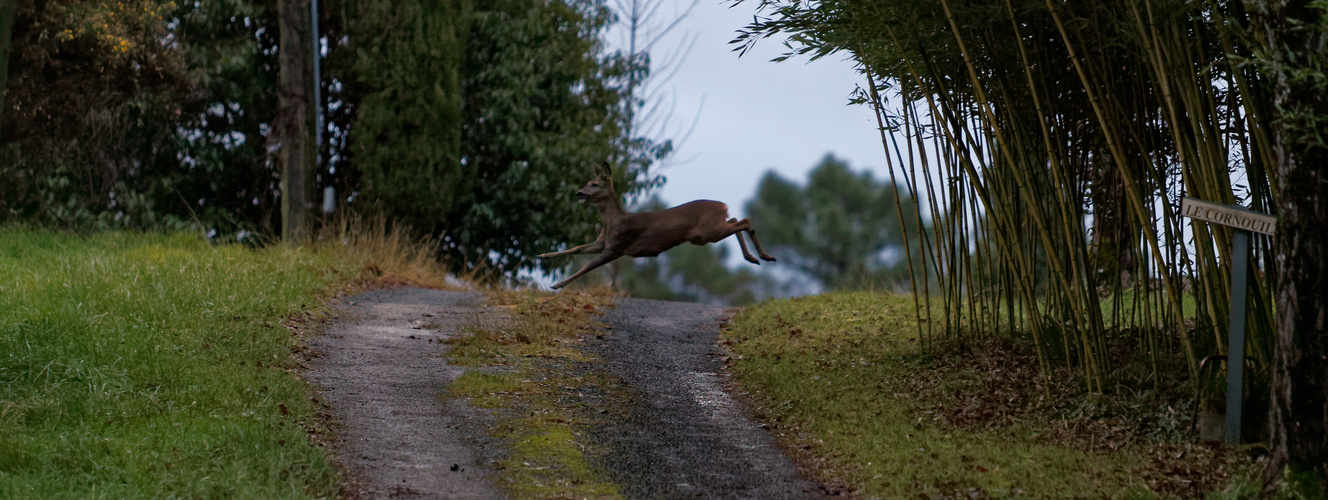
1131 315
547 454
547 461
489 390
842 381
150 366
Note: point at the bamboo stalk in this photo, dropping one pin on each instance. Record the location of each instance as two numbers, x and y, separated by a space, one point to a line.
1131 190
899 210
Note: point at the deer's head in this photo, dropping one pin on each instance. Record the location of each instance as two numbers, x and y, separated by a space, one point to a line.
600 187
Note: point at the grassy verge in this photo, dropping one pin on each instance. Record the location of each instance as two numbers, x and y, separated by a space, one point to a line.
536 380
842 382
150 366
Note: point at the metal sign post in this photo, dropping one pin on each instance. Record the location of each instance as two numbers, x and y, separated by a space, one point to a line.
1243 221
1240 255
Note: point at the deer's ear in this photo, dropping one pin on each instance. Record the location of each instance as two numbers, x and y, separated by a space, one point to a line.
606 169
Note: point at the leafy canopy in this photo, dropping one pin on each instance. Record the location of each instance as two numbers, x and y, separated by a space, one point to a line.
841 228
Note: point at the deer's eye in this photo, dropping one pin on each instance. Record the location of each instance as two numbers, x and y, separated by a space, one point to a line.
594 184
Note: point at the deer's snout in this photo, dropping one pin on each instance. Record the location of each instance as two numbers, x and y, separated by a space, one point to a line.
582 196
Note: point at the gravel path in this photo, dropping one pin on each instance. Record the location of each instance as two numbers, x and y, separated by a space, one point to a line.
683 435
383 377
688 438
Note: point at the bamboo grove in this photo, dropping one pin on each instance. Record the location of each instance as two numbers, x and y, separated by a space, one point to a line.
1049 143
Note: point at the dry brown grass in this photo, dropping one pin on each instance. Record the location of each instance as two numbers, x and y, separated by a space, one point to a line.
388 255
547 325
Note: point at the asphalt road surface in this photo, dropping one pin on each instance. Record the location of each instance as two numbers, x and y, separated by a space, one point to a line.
688 437
383 377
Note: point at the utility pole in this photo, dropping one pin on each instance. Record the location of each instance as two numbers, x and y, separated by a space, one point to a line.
294 122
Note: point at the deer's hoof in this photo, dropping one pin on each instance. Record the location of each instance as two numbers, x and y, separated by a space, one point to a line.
768 258
559 284
752 259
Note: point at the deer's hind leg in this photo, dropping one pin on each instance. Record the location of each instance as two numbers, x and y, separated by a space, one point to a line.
743 245
592 247
735 229
751 233
745 225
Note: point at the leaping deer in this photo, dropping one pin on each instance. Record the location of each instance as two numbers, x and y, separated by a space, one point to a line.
647 234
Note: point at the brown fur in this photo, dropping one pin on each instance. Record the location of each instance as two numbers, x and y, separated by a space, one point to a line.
647 234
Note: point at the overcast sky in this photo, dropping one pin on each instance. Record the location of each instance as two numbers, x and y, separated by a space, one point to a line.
756 115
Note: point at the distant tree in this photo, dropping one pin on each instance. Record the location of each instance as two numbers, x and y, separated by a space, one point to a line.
107 126
92 103
162 115
224 169
840 229
647 108
541 104
397 92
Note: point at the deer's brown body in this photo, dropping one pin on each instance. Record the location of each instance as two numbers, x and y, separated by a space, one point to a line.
647 234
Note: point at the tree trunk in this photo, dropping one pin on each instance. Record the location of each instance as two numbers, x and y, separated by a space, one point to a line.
1115 235
293 129
6 45
1296 47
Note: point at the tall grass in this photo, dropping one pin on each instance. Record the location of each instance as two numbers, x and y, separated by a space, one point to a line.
388 253
152 366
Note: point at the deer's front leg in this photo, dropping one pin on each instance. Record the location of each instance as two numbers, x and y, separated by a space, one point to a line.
603 258
592 247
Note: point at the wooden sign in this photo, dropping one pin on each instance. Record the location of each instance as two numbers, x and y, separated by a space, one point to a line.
1228 215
